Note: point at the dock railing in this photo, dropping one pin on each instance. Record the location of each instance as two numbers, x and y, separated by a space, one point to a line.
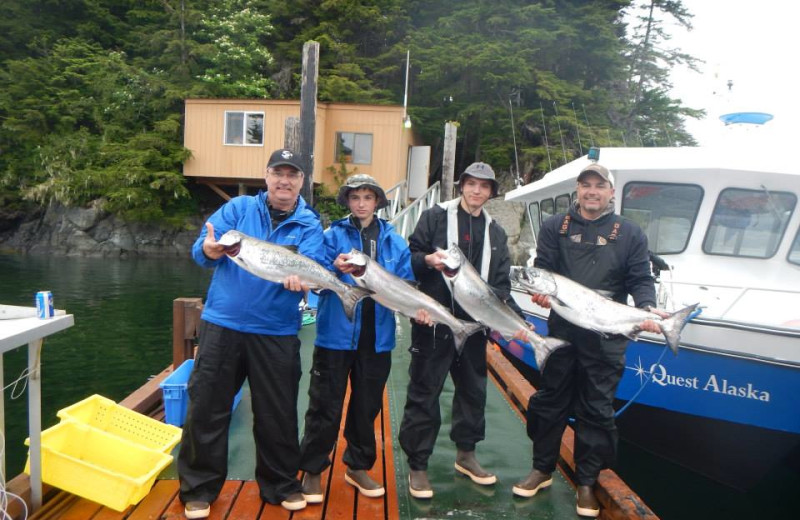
405 221
397 196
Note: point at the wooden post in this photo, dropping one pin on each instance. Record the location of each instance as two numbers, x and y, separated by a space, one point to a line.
449 159
185 319
308 114
291 133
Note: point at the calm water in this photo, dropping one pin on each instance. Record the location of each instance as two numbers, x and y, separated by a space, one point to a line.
122 335
122 332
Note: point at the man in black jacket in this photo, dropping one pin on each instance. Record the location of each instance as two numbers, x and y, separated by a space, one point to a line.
433 355
594 247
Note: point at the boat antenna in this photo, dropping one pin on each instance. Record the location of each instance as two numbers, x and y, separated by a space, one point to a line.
591 133
546 145
560 133
517 179
577 128
624 142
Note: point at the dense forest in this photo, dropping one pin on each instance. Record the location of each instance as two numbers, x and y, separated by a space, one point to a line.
91 91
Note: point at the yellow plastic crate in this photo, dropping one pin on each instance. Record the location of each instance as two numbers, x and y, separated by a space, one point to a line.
101 467
106 415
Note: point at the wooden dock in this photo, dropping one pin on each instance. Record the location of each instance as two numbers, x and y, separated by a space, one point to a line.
240 498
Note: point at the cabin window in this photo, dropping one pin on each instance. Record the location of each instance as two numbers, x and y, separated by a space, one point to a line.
562 203
533 215
748 223
354 148
546 207
244 128
794 252
665 212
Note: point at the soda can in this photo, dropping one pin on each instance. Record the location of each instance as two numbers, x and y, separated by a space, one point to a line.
44 305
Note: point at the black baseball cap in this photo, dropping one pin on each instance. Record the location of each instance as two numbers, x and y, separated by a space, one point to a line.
285 157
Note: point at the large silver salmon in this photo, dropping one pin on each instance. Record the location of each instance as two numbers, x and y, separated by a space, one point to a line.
397 294
275 263
478 299
593 311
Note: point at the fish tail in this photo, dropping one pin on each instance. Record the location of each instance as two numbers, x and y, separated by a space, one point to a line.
464 331
350 298
543 347
672 326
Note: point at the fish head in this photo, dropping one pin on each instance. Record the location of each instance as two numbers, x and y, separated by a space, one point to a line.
453 261
537 280
358 260
231 242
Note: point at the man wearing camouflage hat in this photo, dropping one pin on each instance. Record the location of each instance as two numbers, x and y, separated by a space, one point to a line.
433 355
358 351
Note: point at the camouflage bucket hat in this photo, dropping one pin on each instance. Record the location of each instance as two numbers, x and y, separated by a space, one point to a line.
361 180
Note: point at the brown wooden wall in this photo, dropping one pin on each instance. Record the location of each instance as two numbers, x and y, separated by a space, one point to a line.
213 160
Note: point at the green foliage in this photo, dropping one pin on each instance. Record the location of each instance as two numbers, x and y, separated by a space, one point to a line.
91 91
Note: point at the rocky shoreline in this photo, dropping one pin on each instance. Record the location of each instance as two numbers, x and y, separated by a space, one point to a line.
62 231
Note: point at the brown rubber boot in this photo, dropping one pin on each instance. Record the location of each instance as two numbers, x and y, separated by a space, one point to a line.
468 465
359 479
588 504
418 484
531 484
312 488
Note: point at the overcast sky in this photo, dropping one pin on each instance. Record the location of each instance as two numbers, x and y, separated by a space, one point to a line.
751 43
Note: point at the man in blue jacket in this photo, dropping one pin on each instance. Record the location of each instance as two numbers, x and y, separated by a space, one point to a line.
359 350
249 331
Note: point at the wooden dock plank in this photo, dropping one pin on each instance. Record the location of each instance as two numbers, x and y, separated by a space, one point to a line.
81 510
248 502
392 507
156 502
376 507
340 498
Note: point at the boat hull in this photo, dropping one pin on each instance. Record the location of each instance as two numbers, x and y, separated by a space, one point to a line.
727 415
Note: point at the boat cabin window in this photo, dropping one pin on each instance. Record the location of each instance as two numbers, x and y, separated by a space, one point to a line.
794 252
665 212
748 222
546 207
533 215
573 197
562 203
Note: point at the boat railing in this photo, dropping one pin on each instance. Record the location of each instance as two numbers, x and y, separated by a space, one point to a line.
405 221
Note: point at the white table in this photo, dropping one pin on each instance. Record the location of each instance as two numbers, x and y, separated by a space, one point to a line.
14 334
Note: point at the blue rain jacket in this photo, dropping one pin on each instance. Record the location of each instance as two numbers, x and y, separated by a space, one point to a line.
334 330
244 302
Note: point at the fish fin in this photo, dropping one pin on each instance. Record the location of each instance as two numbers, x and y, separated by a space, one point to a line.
608 295
350 299
467 329
412 283
672 326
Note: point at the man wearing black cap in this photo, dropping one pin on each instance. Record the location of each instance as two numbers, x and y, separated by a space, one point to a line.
358 351
596 248
249 331
463 221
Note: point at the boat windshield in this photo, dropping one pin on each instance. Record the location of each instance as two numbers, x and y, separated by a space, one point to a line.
794 252
666 212
748 223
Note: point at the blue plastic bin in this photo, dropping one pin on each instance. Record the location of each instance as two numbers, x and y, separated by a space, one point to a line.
176 399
